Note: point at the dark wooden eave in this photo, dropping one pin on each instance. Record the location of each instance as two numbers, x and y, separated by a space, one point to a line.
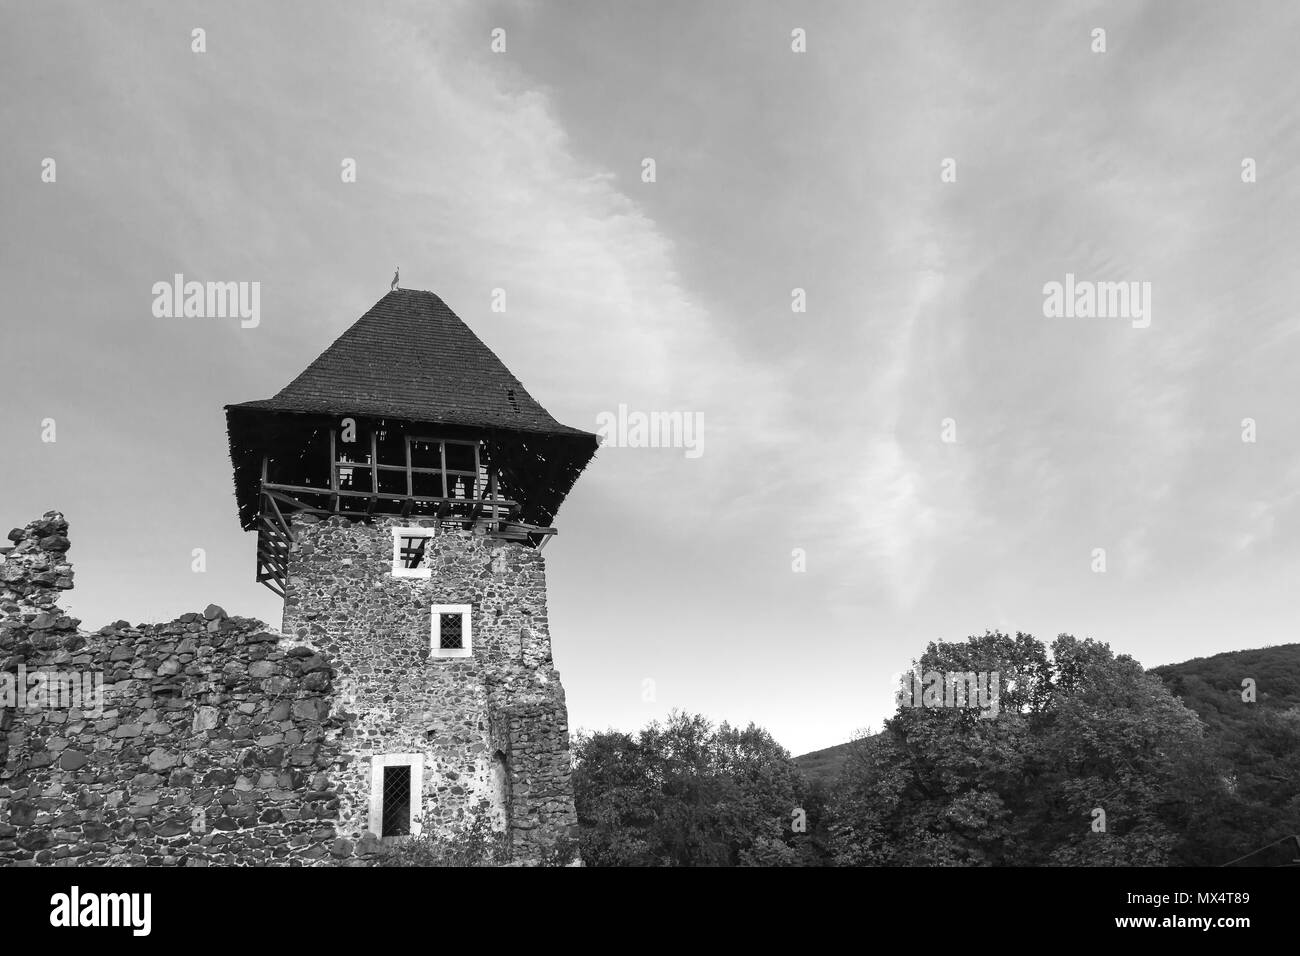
410 362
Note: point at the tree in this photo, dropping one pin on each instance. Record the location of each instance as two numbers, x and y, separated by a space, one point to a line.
684 793
1080 733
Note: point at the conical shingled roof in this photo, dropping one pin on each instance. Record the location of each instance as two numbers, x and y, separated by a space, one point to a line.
411 357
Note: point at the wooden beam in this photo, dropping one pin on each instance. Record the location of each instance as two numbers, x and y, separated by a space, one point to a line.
278 562
374 460
284 525
474 483
427 499
334 468
437 471
273 586
272 571
297 503
269 531
270 544
478 504
442 454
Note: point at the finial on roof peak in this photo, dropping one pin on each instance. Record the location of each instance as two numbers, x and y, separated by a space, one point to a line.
393 287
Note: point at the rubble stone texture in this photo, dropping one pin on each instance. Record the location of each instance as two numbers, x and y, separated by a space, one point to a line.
224 743
493 727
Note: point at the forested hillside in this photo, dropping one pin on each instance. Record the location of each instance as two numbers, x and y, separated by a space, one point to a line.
1091 761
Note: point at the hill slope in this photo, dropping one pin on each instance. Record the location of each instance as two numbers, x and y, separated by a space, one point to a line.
1211 686
824 764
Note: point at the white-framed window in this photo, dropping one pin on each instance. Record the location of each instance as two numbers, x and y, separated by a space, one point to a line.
451 633
412 549
396 782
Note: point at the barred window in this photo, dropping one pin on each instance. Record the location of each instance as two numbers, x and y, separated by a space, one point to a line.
450 631
396 814
449 636
411 550
396 785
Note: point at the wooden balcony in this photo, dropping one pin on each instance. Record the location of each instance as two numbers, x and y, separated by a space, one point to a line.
489 514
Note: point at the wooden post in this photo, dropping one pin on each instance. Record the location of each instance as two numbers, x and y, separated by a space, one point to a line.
410 489
334 474
476 493
374 463
442 454
334 460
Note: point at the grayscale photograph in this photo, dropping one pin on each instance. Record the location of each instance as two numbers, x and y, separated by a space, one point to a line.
856 441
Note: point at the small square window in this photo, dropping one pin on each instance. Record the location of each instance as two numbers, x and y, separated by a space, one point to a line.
412 552
451 633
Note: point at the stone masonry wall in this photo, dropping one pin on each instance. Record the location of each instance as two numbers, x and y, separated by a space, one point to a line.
219 742
492 727
215 744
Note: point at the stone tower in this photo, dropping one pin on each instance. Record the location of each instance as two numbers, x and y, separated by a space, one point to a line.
402 489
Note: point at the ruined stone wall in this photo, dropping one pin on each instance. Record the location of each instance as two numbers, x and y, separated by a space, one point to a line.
212 745
492 727
220 742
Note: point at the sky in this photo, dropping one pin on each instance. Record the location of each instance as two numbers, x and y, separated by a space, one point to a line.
920 170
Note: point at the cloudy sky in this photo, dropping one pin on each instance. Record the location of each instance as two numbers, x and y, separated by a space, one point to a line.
774 171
